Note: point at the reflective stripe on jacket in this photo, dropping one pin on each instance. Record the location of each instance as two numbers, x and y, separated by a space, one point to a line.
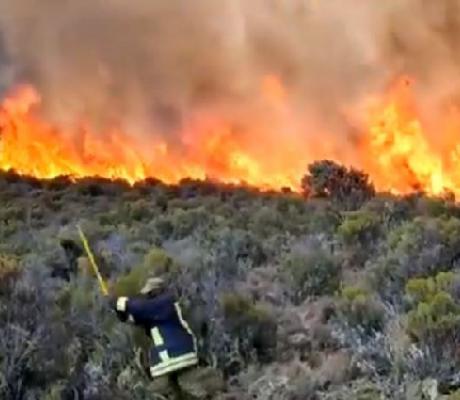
174 344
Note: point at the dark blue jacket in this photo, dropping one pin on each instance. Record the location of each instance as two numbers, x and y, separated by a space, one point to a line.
174 344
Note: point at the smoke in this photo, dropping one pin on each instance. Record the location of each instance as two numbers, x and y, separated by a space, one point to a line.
6 71
151 64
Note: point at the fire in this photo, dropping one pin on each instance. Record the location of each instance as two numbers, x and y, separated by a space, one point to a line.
400 150
403 152
31 146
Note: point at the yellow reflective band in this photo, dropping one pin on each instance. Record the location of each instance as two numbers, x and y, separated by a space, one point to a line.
121 303
185 324
174 364
164 355
156 336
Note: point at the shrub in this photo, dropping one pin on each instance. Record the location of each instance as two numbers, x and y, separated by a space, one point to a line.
424 290
323 217
252 324
368 392
391 210
348 187
439 317
435 315
156 263
431 207
360 308
185 222
359 227
164 227
313 273
266 221
236 244
10 271
416 249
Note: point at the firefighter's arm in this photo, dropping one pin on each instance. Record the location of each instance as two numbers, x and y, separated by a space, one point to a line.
134 310
122 308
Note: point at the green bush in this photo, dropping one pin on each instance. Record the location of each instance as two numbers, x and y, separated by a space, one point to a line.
266 221
416 249
140 210
360 308
313 273
432 207
424 290
413 235
186 221
252 324
359 227
323 217
10 271
156 263
435 313
164 227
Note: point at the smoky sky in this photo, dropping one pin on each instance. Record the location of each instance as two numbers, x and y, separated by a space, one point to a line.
148 64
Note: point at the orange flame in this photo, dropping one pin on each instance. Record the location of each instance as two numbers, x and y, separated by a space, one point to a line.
404 153
209 148
399 150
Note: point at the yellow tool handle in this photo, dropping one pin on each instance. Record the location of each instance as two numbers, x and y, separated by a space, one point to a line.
102 284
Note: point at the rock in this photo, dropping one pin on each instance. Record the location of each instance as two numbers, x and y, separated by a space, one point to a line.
299 340
368 392
359 390
430 389
201 383
414 391
423 390
162 387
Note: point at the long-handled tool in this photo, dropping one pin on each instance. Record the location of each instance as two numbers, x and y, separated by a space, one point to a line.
102 283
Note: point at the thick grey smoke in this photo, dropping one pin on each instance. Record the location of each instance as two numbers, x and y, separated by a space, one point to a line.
149 64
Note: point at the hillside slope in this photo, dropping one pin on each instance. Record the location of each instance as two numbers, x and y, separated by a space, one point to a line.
291 298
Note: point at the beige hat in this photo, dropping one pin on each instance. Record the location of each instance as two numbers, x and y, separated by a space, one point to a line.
153 284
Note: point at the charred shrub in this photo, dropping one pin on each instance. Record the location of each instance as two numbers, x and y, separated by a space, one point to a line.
348 187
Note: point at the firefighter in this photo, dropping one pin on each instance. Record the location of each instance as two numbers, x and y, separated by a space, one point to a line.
157 311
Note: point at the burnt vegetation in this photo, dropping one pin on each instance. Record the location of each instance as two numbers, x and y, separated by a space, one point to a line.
339 293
